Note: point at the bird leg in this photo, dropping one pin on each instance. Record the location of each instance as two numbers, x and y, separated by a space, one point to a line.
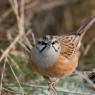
51 85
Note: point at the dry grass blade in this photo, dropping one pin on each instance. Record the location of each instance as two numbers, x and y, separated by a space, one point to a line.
16 79
88 47
33 37
14 6
20 22
60 89
38 5
8 90
2 76
24 46
84 76
6 60
14 63
5 53
5 14
21 27
19 12
27 42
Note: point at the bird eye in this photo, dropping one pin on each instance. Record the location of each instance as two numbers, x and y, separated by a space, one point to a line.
39 42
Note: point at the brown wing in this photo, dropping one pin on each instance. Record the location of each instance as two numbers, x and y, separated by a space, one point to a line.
68 45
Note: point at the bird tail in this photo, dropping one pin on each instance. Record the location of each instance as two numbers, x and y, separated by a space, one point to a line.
86 24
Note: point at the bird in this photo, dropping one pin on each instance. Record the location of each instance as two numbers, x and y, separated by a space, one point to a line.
55 56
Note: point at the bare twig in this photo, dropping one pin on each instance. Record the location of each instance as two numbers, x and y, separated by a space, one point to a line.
33 37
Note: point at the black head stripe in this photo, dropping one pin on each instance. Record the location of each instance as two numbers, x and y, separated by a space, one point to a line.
43 48
47 41
55 48
42 43
39 42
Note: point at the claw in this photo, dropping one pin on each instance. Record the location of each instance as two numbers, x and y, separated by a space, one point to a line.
52 88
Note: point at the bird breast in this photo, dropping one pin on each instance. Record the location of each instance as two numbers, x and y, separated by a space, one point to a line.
45 59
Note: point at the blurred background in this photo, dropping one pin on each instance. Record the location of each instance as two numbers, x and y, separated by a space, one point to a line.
54 17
